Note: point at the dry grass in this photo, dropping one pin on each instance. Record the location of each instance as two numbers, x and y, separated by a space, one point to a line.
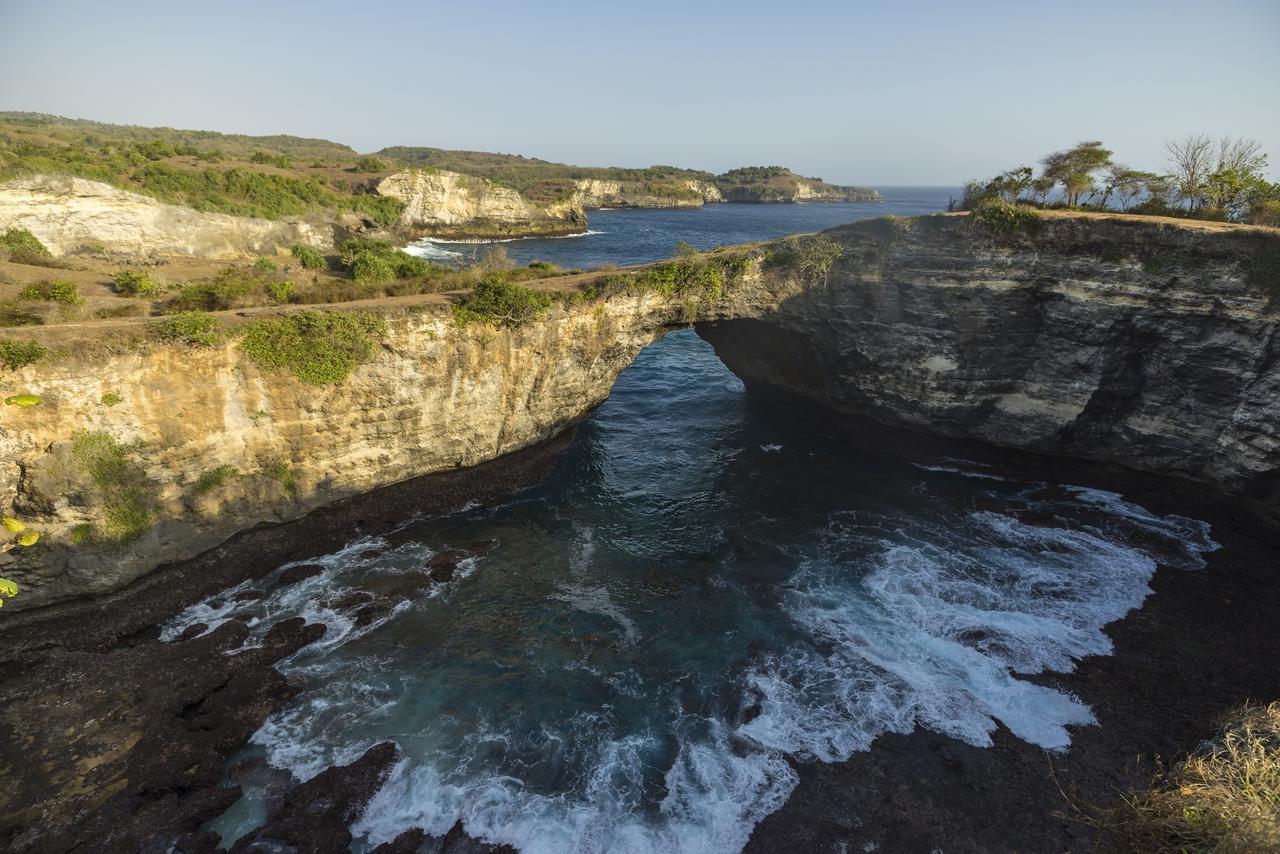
1223 798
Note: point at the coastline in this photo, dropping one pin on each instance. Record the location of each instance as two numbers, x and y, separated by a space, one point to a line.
1155 696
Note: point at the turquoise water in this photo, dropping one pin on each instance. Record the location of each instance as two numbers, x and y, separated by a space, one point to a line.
630 656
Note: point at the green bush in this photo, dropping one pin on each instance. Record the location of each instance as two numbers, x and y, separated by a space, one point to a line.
376 261
192 328
111 399
124 486
500 302
266 265
281 292
60 291
369 164
136 283
1004 217
214 478
18 354
23 247
370 268
308 257
317 347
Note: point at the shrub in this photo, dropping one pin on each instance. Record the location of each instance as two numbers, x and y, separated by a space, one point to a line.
369 164
111 399
544 267
1224 797
124 486
1265 212
214 478
502 303
266 265
192 328
15 314
281 292
232 288
23 247
1003 217
136 283
376 261
18 354
60 291
309 258
370 268
317 347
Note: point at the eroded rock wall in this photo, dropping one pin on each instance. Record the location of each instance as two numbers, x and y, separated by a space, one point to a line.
1149 344
435 397
69 214
448 204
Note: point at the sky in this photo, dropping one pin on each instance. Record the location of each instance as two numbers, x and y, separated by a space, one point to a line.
879 93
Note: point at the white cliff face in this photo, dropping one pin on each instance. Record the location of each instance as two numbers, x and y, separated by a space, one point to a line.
599 193
68 214
447 204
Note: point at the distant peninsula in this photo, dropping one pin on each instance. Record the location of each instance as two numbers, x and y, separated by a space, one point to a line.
106 184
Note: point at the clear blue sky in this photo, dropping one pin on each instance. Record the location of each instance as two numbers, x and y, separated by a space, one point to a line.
855 92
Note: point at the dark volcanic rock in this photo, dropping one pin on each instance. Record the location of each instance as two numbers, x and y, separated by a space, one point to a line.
128 746
456 841
441 567
316 815
114 741
301 572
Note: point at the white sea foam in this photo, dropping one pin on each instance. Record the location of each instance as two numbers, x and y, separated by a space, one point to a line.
771 449
928 623
936 634
715 795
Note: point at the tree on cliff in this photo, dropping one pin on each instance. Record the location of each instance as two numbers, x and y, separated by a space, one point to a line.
1074 168
1190 158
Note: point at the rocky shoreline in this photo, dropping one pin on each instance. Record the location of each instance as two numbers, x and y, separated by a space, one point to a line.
123 739
120 740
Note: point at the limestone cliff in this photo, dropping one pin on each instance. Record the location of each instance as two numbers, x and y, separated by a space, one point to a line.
448 204
68 214
686 193
1150 344
223 446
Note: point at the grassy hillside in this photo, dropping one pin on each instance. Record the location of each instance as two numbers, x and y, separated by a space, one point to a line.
281 176
270 177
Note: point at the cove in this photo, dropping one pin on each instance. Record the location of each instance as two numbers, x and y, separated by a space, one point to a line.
710 588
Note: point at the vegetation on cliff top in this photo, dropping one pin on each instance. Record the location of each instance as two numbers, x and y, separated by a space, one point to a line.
497 300
205 171
317 347
1206 179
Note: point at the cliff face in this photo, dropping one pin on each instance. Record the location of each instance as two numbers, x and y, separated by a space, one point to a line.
1152 345
688 193
68 214
447 204
221 446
